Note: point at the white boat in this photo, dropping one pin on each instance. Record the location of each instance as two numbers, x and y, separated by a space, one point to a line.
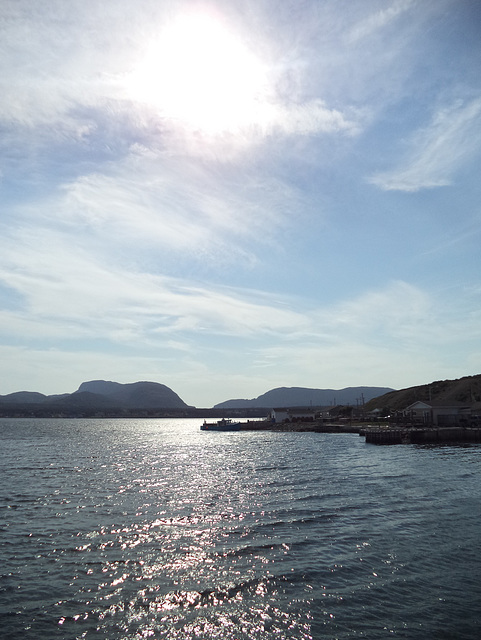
226 424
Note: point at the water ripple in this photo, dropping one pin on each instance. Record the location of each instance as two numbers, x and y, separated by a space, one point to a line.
136 529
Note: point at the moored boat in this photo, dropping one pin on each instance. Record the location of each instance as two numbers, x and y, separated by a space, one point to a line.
226 424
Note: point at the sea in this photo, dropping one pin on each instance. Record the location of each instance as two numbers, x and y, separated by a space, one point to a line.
151 528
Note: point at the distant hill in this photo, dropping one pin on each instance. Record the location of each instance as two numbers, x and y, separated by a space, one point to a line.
136 395
84 399
467 389
23 397
305 397
102 394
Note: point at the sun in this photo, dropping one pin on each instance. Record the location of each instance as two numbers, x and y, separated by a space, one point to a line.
201 75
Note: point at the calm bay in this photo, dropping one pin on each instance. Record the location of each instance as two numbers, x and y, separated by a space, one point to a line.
153 529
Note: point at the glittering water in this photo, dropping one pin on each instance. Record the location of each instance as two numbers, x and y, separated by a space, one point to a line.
120 529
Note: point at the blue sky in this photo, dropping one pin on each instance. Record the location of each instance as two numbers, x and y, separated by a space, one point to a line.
231 197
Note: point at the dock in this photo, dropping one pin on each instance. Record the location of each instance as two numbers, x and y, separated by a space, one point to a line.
374 434
417 435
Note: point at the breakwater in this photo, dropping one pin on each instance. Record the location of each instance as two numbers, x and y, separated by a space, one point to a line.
376 434
428 435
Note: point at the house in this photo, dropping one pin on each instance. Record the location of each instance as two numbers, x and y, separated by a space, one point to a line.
438 413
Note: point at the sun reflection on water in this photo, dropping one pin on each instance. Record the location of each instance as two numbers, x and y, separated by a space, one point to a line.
226 538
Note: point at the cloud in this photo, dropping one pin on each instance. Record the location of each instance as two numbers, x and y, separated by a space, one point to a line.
378 20
391 311
72 293
383 337
308 118
122 225
64 288
158 328
273 118
177 326
64 80
438 151
161 207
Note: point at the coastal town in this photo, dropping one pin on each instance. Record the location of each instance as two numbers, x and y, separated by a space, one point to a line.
437 412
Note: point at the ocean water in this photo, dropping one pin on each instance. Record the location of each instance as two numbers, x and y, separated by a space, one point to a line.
116 529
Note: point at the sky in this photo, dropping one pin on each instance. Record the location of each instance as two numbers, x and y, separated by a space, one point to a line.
231 197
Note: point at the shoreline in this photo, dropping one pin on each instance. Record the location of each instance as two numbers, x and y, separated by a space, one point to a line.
380 435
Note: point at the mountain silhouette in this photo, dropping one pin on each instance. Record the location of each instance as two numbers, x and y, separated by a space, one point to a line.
135 395
304 397
103 394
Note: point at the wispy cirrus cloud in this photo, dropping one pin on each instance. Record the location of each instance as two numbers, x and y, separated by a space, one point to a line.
60 289
134 242
383 335
437 151
307 118
155 203
49 82
378 20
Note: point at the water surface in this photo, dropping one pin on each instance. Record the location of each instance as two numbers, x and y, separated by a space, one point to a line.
153 529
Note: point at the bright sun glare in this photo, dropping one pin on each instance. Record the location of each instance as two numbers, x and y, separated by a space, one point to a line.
201 75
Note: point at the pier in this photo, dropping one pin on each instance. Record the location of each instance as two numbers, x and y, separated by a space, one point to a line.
385 434
416 435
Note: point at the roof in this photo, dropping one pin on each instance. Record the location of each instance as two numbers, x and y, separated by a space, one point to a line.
437 404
